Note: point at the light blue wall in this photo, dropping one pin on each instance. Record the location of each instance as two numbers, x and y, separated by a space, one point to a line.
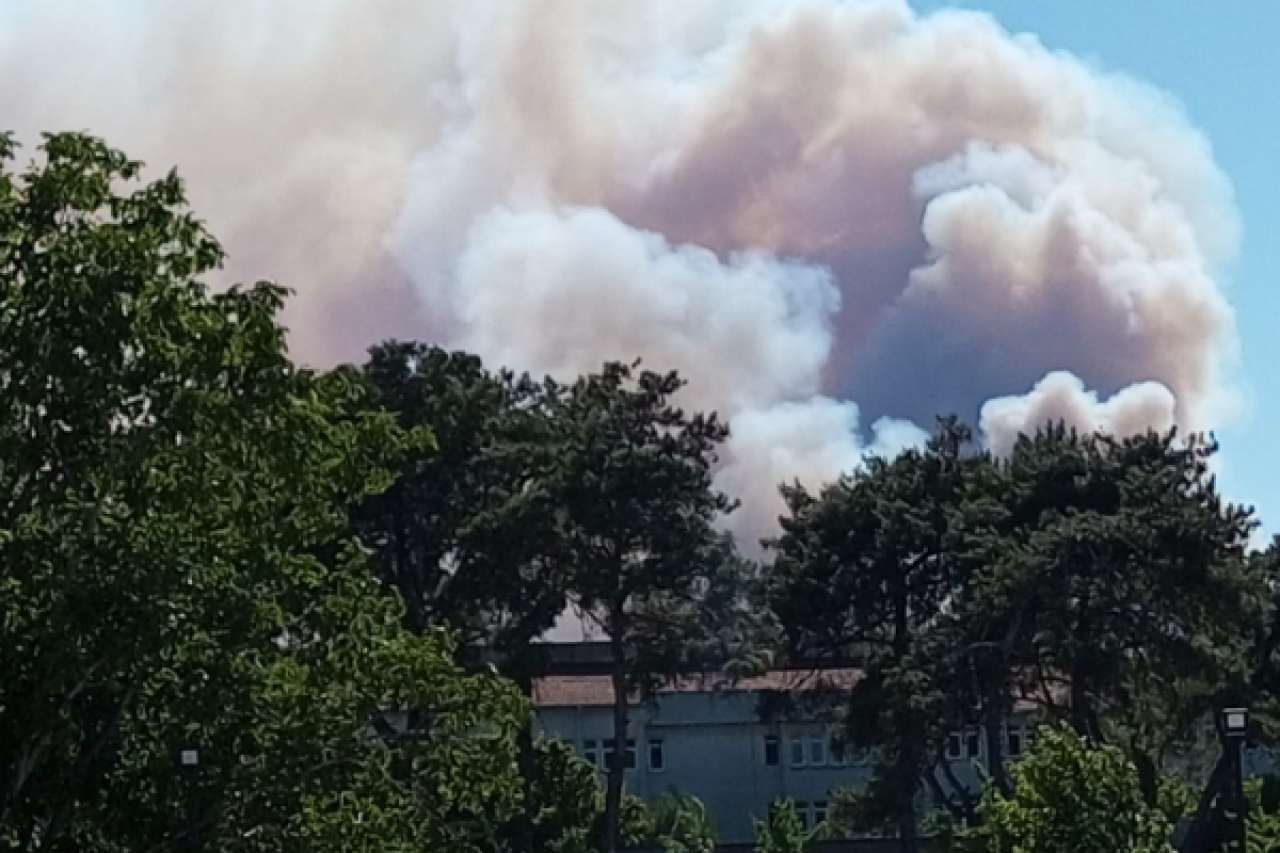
714 749
713 745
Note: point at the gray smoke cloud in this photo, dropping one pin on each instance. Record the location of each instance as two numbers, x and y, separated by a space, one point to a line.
838 219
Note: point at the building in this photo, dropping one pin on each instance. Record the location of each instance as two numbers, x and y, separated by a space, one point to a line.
739 747
743 746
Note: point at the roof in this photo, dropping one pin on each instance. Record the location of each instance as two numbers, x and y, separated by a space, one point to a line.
593 690
559 691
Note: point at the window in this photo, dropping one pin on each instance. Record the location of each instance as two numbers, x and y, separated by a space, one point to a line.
811 814
628 761
802 812
591 752
836 753
955 747
973 740
657 757
772 751
818 750
1015 740
797 752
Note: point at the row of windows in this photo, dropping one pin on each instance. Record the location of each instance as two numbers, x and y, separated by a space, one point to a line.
811 814
600 754
809 751
969 743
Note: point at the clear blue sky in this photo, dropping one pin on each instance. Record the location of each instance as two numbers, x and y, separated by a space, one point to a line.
1221 60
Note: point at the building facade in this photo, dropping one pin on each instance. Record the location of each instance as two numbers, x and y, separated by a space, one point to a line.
739 747
744 746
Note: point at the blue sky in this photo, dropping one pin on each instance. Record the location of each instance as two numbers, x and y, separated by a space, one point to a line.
1221 60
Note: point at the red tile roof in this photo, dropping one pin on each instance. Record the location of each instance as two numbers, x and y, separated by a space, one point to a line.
559 691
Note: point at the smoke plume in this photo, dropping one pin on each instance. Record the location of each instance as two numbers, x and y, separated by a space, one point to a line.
838 219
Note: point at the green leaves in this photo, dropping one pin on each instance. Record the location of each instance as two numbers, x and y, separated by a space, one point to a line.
178 571
682 824
784 831
1071 797
466 532
635 509
1103 580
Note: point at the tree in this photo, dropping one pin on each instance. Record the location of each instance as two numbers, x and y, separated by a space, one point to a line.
784 832
864 569
564 805
1120 574
466 532
636 502
681 824
1103 579
177 570
1071 796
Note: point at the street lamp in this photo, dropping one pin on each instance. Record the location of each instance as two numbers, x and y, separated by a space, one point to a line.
1235 727
1235 721
189 766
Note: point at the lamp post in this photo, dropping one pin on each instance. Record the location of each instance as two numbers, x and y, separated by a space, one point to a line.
189 767
1235 725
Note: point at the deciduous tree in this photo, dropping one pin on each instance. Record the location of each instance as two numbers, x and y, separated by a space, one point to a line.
177 573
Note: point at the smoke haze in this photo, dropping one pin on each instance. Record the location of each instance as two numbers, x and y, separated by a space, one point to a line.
838 219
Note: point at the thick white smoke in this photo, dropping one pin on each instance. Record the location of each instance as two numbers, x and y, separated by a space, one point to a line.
828 214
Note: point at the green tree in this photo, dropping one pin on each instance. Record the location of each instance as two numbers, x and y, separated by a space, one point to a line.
682 824
784 831
1119 573
636 503
564 806
864 569
466 532
1259 690
1070 796
177 569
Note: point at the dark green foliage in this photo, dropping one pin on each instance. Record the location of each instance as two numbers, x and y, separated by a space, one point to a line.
177 571
636 505
864 569
564 804
784 832
681 824
1069 797
1126 574
1103 580
466 533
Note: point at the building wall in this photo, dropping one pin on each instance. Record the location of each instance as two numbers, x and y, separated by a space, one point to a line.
714 748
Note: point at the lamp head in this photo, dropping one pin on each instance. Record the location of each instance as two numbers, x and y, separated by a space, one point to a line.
1235 722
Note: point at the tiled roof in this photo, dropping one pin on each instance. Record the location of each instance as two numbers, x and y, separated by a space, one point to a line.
597 690
561 691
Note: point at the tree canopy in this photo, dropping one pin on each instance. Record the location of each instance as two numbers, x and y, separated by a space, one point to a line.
178 573
634 493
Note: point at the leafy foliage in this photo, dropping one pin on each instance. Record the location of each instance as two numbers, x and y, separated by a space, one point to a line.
1071 797
466 532
682 824
565 805
636 506
864 569
177 569
784 831
1103 579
